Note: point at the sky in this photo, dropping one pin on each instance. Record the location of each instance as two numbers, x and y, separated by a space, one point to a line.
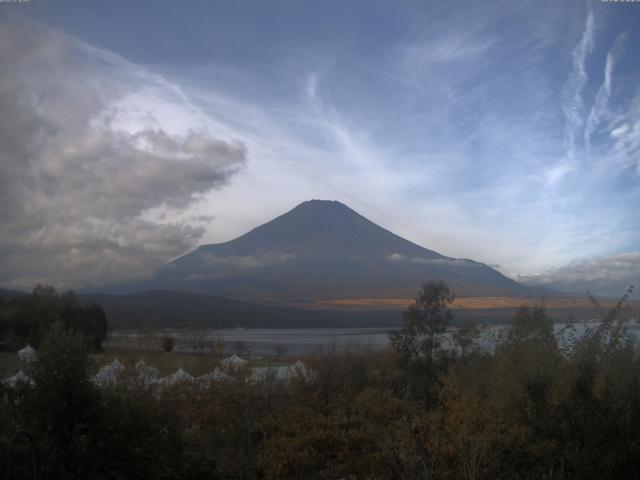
507 132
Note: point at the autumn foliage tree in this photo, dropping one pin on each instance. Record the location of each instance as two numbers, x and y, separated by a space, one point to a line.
418 344
167 343
30 318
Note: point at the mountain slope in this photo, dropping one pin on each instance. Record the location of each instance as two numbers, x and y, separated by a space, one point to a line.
6 294
324 250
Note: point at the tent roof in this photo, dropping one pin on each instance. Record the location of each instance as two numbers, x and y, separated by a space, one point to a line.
19 377
233 360
27 353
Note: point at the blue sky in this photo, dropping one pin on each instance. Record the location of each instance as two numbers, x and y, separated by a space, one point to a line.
505 131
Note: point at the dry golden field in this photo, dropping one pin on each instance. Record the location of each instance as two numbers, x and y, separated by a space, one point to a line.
462 303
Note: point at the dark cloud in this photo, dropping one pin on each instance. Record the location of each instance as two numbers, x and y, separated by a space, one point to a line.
74 182
602 275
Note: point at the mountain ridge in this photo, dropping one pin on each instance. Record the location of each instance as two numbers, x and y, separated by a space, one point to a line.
322 249
314 210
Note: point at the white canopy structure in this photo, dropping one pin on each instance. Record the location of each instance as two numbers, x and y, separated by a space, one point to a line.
17 379
141 365
281 373
277 374
146 374
216 375
28 354
176 378
300 370
116 365
234 361
109 374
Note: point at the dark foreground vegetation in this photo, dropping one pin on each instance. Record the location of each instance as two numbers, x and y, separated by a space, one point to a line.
29 319
533 407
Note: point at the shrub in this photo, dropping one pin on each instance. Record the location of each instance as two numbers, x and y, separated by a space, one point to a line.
167 343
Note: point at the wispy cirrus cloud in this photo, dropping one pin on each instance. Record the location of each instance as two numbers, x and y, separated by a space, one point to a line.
573 102
599 107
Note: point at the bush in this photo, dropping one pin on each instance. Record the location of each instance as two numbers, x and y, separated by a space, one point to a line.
167 343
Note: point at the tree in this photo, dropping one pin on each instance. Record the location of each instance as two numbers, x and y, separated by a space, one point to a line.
29 318
167 343
62 405
418 342
197 338
239 346
465 338
82 431
218 343
280 350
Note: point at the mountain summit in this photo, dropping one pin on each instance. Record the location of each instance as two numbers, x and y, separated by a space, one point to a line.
324 250
320 228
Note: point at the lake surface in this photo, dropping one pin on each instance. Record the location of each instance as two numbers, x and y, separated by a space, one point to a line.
279 341
266 341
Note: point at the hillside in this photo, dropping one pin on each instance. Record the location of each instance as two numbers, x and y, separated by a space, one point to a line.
321 250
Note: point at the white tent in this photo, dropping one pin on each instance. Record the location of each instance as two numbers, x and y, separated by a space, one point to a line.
263 374
234 361
109 374
116 365
300 370
281 373
27 354
18 378
175 378
146 374
216 375
141 365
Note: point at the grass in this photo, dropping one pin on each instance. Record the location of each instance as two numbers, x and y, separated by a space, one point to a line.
9 365
459 303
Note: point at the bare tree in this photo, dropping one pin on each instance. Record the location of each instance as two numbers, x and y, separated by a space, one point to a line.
197 339
239 347
280 350
218 343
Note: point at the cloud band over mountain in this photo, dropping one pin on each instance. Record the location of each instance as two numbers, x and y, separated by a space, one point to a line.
607 275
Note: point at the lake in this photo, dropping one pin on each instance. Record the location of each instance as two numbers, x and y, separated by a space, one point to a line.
265 341
279 341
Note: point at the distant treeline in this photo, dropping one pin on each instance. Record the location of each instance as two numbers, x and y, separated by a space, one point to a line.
175 309
534 407
178 309
28 319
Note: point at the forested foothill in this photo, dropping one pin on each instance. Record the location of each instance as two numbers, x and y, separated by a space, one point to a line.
538 404
29 319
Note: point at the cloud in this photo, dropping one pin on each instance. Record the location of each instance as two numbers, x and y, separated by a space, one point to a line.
82 162
625 134
245 261
572 94
607 275
449 47
599 108
450 262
